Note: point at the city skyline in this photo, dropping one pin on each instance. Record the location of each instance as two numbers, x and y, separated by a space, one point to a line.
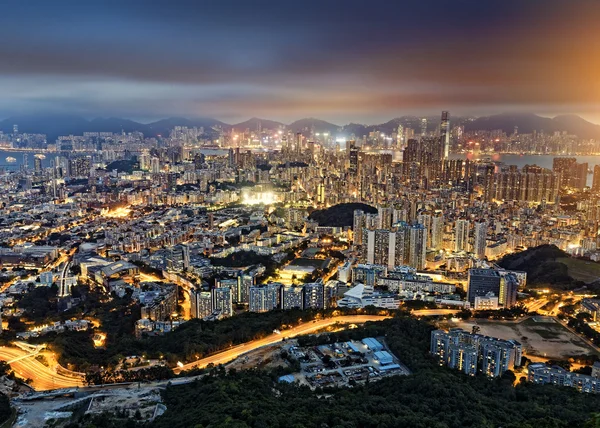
352 64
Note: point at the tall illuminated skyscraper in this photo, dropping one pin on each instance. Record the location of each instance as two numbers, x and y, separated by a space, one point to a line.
445 133
423 127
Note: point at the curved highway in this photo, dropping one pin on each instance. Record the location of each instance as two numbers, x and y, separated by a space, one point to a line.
43 377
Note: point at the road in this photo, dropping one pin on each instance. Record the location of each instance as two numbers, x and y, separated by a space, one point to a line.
305 328
64 291
43 377
434 312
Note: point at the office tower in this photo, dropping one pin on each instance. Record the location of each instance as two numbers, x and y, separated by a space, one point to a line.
314 295
264 298
418 246
461 237
423 127
15 129
481 282
437 231
292 298
445 133
480 243
596 182
211 220
201 303
25 161
359 224
222 300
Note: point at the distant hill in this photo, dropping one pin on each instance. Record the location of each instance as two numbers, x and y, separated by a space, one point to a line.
527 123
309 123
340 215
252 124
54 125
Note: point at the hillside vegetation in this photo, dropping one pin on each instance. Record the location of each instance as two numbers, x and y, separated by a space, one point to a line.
340 215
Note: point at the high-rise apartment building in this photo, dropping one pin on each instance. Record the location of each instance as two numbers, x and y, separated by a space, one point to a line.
461 235
480 239
201 303
264 298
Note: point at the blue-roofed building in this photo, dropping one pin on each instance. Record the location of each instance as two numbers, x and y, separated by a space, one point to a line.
389 367
384 357
372 344
352 347
286 379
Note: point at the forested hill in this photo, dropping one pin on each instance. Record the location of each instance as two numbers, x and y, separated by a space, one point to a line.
431 397
340 215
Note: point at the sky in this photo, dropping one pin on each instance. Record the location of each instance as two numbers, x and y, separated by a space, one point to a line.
342 61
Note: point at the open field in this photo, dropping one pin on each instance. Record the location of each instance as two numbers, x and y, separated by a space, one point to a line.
581 270
540 336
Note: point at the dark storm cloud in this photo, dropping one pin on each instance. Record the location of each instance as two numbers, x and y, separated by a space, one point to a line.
339 59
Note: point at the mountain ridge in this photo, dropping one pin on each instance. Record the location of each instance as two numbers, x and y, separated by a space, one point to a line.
55 125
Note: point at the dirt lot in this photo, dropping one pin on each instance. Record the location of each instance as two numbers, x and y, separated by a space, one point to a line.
540 336
266 358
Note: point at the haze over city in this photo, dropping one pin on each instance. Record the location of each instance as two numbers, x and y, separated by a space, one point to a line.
342 62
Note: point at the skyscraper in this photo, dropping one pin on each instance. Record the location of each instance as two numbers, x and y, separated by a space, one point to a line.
445 133
423 127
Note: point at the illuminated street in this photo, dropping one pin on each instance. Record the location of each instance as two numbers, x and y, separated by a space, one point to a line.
43 377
